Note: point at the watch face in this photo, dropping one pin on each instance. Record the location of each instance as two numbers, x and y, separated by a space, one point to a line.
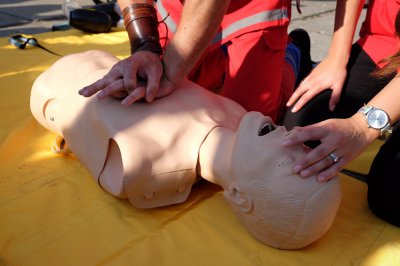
377 119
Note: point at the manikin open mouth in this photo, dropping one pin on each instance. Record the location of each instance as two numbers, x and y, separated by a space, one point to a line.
265 129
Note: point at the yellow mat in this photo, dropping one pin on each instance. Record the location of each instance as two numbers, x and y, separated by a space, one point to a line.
52 212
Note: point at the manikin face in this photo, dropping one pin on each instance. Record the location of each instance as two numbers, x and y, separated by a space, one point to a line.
258 154
278 207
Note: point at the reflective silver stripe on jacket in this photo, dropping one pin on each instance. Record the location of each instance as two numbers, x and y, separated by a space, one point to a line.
164 15
264 16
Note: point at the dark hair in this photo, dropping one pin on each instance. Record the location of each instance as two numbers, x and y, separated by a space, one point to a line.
392 62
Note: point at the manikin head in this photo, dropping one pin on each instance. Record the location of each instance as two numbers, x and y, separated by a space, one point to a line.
277 207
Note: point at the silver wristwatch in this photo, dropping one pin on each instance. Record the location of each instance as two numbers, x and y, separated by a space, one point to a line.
377 119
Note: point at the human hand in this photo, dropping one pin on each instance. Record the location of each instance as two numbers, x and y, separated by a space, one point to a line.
344 138
329 74
122 82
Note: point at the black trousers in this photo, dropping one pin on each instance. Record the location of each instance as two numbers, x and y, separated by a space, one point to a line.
383 180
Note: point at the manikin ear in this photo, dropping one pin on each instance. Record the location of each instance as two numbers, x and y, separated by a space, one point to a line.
239 199
60 146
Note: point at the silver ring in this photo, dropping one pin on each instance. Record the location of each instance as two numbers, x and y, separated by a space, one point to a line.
333 157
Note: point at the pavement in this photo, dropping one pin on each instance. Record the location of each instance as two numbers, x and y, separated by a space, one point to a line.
38 16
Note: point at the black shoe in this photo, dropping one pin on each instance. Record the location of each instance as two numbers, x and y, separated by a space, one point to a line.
302 40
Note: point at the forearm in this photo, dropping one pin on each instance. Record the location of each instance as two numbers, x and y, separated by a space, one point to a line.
388 99
199 23
346 18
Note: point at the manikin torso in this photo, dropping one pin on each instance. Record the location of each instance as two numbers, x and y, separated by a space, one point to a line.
132 154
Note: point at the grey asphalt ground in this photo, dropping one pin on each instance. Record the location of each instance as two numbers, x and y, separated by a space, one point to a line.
37 16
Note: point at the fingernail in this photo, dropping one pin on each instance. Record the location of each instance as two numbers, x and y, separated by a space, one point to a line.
332 107
297 168
287 142
149 98
294 109
321 178
305 173
124 102
101 94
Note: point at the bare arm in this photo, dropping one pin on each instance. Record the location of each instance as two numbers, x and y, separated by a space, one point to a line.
388 99
346 18
331 72
199 23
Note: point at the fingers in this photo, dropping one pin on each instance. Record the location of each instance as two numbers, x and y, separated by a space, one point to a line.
129 78
304 99
130 93
134 96
299 91
93 88
324 168
122 80
113 75
152 90
320 161
331 172
153 84
295 96
316 155
299 135
115 89
306 91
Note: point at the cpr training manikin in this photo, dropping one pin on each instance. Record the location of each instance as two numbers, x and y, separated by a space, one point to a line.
153 153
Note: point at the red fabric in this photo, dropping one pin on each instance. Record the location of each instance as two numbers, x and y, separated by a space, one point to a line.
377 34
237 10
251 73
255 71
